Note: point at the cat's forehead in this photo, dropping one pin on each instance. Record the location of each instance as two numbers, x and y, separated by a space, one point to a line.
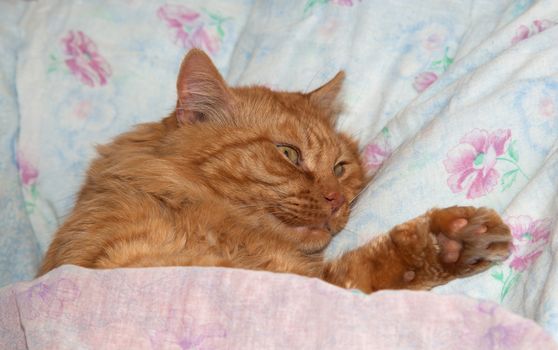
291 112
291 119
305 126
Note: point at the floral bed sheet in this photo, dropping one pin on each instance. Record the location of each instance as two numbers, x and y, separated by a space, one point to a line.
453 103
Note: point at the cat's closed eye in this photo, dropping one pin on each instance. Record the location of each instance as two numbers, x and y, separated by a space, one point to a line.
290 152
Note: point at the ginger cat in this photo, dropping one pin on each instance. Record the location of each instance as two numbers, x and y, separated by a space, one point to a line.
251 178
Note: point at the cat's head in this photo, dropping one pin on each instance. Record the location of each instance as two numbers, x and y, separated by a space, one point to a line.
274 155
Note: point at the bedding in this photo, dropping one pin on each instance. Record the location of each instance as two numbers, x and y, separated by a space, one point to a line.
452 102
215 308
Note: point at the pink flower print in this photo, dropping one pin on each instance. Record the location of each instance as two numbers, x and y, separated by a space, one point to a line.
521 263
530 236
343 2
49 299
542 24
424 80
177 18
547 109
525 229
433 41
27 172
503 336
437 67
200 38
471 162
312 3
185 332
190 30
486 307
83 109
377 152
375 155
83 59
523 32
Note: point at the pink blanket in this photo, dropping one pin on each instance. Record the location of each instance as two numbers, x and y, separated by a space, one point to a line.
212 308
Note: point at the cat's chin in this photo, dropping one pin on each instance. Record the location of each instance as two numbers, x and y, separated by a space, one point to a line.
312 231
312 239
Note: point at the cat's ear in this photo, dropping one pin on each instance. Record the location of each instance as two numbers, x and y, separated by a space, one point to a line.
203 94
327 96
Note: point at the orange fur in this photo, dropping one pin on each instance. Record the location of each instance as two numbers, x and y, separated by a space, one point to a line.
208 186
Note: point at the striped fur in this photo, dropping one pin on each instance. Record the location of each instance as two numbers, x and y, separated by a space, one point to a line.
208 186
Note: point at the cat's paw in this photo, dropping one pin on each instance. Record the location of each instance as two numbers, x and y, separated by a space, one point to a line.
469 239
449 243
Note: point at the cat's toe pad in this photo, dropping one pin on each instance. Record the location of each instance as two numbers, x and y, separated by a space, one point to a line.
450 249
469 238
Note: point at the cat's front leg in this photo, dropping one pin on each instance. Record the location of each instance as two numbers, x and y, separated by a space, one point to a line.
430 250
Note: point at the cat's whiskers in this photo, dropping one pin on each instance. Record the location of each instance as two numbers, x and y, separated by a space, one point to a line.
350 230
265 210
359 193
247 206
276 226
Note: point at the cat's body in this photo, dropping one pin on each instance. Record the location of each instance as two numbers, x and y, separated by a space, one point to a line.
256 179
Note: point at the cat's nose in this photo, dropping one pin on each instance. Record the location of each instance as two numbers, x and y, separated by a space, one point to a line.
335 199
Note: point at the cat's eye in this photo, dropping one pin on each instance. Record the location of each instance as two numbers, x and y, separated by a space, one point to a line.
339 169
290 152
